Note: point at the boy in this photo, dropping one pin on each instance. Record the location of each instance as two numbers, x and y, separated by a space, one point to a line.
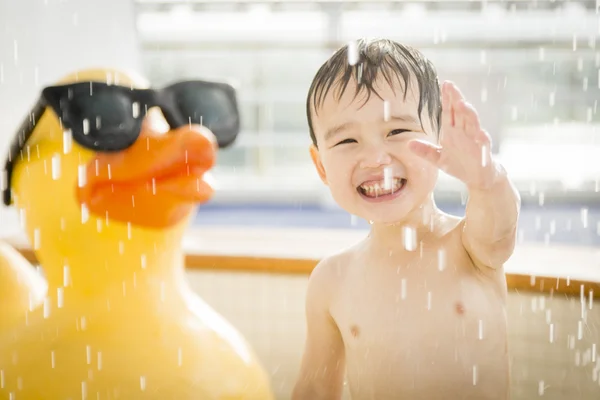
417 309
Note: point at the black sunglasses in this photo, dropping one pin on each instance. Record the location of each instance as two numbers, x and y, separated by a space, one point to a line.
107 118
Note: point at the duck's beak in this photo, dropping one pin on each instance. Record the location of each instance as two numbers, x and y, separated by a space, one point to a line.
154 183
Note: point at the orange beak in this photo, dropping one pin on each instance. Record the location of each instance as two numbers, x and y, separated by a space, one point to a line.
154 183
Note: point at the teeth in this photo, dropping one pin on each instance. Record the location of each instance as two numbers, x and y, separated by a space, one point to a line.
382 187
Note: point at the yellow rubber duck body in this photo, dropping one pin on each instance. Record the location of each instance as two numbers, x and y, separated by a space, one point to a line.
119 320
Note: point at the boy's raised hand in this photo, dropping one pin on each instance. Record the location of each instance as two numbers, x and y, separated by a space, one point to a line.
465 148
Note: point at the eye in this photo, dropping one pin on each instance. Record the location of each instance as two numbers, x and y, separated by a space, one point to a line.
346 141
398 131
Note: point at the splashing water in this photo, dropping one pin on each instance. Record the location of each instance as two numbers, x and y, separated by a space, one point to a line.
388 179
46 308
81 176
67 141
60 297
386 111
85 214
403 289
441 259
36 238
66 276
135 109
352 52
55 166
584 217
410 238
484 156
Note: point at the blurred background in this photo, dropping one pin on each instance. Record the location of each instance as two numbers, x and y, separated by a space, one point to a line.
531 67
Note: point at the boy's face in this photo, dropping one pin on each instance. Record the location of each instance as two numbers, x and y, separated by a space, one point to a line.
363 153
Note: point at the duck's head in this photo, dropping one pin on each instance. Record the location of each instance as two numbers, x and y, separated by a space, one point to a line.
99 161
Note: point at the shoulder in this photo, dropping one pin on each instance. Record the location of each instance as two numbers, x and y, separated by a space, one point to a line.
329 274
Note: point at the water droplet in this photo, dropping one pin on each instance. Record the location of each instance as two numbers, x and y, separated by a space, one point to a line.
67 141
66 276
441 259
410 238
541 199
36 238
60 298
129 230
542 54
143 261
474 375
484 156
584 217
480 329
548 316
52 360
135 109
1 379
85 214
579 330
83 391
162 291
46 308
56 167
81 175
179 357
88 354
403 289
541 388
83 323
386 111
388 179
352 52
428 300
142 383
354 221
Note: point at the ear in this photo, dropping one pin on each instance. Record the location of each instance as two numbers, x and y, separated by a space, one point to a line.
316 158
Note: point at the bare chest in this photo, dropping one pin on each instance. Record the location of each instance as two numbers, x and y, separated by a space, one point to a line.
409 325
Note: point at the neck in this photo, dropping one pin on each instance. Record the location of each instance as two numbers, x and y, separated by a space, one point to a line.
147 265
410 231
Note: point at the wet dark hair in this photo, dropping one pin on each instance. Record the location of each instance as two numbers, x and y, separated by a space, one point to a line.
398 64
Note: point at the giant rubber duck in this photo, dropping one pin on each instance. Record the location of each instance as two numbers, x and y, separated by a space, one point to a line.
107 175
21 287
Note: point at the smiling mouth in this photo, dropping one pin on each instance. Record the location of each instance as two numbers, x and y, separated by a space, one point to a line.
381 188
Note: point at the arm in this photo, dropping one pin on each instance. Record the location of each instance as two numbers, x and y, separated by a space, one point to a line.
323 363
490 226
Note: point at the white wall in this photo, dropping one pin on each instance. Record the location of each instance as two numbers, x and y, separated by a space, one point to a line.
41 40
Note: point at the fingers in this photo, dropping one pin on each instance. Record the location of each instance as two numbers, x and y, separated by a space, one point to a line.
458 113
426 150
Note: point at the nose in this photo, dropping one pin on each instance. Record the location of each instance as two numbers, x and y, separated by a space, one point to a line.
375 156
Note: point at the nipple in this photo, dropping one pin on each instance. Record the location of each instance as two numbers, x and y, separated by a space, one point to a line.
460 308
